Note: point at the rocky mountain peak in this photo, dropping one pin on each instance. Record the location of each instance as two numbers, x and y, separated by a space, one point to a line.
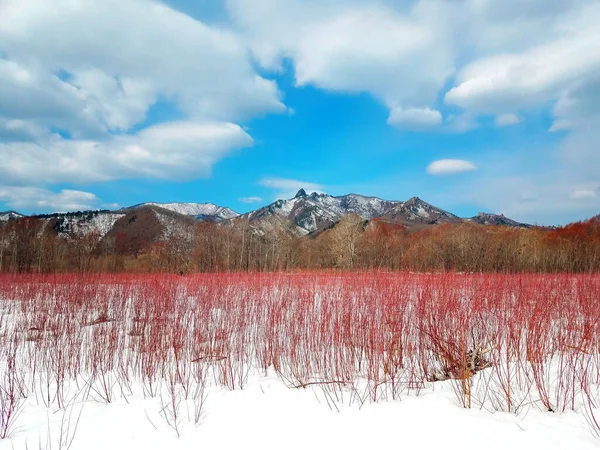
301 194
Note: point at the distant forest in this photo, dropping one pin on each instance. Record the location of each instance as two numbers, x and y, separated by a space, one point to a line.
32 245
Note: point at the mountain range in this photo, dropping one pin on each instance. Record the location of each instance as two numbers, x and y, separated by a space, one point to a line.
308 214
304 214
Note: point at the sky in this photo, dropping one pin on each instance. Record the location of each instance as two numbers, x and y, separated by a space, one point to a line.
471 105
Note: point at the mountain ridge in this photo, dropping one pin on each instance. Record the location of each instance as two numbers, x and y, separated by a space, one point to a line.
304 214
203 211
309 213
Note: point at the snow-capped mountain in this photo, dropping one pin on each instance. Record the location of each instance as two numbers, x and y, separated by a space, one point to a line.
305 213
201 211
496 219
417 212
10 215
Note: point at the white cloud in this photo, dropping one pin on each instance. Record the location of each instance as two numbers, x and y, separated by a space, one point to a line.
450 166
505 56
415 118
43 200
116 58
176 151
580 194
118 103
402 57
505 120
287 188
250 199
531 76
20 130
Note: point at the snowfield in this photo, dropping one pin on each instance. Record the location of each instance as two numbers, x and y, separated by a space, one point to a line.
275 361
268 415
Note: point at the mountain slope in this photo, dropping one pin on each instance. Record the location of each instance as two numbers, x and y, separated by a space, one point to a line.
201 211
139 227
496 219
10 215
99 222
415 211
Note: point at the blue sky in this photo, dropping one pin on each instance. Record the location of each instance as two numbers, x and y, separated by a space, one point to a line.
472 105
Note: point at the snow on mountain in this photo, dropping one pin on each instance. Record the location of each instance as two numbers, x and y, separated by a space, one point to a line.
309 213
99 222
301 215
173 226
10 215
495 219
415 211
202 211
366 207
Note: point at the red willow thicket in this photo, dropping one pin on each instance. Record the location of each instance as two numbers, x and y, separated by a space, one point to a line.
504 342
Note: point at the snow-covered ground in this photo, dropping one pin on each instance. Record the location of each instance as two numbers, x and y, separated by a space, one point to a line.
268 415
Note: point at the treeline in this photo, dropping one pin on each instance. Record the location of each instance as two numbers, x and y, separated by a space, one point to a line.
30 245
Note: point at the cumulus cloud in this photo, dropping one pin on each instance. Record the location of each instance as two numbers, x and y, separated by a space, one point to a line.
43 200
505 120
533 75
287 188
400 57
503 56
90 67
450 166
250 199
177 151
